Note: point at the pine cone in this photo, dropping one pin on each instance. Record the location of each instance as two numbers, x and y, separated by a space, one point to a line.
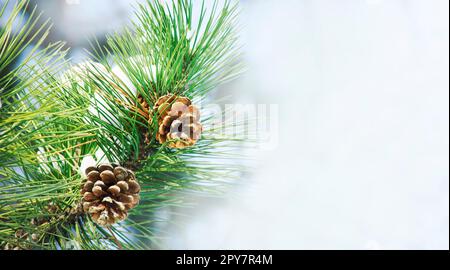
20 241
109 192
178 121
144 106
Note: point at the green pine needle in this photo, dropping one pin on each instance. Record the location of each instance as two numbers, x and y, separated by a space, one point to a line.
50 122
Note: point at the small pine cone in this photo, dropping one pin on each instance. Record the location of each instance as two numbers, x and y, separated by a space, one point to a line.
19 243
21 234
109 192
143 107
52 208
9 246
178 121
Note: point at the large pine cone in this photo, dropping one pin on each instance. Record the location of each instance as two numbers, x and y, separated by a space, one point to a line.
109 192
178 121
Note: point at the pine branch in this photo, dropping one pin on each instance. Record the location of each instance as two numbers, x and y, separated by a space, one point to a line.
55 122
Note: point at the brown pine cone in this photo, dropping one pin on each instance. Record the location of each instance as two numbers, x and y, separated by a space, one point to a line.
144 107
178 121
109 192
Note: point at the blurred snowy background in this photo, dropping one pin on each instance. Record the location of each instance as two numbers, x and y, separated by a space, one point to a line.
363 152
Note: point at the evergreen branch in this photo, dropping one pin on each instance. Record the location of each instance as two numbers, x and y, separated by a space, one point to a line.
52 123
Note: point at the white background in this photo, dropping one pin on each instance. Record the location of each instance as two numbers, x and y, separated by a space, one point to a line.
362 161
